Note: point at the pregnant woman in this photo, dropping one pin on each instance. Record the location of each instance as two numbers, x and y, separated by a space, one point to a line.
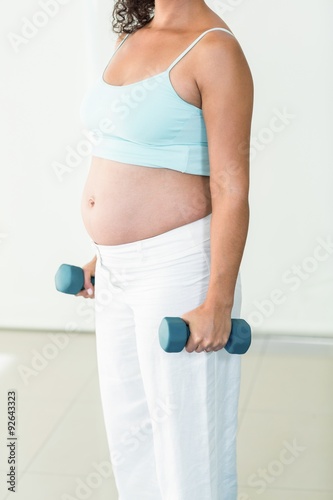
166 207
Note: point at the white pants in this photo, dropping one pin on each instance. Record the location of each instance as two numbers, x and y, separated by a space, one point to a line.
170 418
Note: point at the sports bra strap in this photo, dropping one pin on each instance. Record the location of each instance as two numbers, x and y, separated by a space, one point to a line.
192 45
185 51
120 43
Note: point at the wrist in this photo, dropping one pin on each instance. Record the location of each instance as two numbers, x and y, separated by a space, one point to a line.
220 294
218 302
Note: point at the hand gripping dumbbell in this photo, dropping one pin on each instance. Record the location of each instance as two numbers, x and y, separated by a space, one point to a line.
174 333
70 279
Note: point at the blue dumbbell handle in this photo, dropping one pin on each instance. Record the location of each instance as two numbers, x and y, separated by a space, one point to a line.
174 334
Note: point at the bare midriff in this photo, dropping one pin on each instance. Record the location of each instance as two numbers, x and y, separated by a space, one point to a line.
122 203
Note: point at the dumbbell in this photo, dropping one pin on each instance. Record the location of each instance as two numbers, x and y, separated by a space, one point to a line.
70 279
174 333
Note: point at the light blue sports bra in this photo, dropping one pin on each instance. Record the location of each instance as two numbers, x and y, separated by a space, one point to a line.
147 123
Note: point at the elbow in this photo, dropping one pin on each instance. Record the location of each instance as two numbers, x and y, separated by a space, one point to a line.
230 192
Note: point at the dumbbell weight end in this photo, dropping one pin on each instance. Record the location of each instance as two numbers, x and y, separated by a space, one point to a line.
70 279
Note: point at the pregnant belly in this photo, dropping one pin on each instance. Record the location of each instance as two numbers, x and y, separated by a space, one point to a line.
122 203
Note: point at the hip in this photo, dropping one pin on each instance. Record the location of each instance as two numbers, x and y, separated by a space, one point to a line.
172 266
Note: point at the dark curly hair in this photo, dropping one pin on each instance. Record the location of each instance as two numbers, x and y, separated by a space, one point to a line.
131 15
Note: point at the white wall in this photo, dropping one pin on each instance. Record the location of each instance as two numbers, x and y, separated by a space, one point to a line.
40 215
289 49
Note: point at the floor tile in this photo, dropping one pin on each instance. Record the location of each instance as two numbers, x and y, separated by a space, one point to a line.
292 376
93 486
285 432
80 434
295 450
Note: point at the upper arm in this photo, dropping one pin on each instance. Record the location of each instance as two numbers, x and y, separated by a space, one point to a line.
226 86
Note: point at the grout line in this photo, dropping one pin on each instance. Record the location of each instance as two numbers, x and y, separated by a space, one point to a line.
61 419
287 489
295 338
4 329
262 352
256 335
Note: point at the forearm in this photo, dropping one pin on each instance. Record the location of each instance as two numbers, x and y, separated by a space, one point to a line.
228 232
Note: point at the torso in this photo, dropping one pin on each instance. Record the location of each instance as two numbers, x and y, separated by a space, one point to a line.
121 202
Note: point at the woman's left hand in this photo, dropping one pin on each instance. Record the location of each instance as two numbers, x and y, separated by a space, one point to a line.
210 328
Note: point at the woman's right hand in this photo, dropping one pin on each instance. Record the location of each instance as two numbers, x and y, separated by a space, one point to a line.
89 271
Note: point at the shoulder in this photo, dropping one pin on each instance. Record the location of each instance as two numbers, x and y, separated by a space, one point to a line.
220 58
220 52
221 68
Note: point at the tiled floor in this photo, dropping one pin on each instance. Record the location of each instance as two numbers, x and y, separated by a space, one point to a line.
285 439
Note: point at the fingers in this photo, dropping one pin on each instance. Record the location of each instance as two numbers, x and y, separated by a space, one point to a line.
203 348
200 348
87 277
193 342
89 290
197 343
84 293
